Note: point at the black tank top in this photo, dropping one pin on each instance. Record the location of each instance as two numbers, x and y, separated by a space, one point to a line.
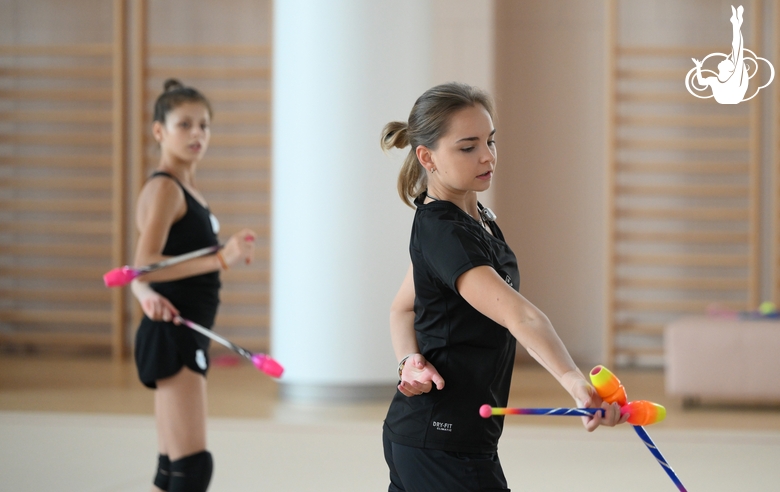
197 297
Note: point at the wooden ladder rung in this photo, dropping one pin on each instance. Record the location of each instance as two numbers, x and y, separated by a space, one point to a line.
241 208
687 283
235 185
86 50
58 250
227 117
58 95
667 51
684 143
638 351
90 73
684 237
673 306
57 116
640 328
246 276
60 183
658 98
208 50
717 121
59 161
741 168
59 139
240 140
684 260
57 295
227 320
204 73
686 191
247 297
703 214
55 272
651 73
234 163
56 316
69 339
96 228
56 206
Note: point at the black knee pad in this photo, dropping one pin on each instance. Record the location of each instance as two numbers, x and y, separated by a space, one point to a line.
163 476
191 473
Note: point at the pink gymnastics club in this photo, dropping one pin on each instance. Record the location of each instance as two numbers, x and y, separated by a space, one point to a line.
261 361
124 275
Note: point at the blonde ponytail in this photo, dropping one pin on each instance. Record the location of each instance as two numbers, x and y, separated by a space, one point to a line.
412 179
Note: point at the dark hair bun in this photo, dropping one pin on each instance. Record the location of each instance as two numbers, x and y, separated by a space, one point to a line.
172 85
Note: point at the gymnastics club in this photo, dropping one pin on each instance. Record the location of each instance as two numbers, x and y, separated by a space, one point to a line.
610 390
641 412
124 275
261 361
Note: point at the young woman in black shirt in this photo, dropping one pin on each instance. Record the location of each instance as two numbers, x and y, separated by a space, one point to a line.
458 312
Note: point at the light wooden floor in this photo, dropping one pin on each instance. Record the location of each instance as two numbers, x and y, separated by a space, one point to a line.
93 384
75 424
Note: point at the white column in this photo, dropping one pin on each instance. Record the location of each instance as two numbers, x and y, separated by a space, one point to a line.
340 234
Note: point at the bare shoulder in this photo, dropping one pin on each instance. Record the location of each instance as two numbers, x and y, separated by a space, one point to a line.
160 197
162 190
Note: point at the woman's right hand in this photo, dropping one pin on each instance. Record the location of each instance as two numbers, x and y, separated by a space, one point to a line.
418 376
240 247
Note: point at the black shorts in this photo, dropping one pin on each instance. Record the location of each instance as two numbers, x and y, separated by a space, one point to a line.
431 470
162 349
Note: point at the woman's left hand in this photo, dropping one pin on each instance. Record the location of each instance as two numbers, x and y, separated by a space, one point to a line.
586 397
419 376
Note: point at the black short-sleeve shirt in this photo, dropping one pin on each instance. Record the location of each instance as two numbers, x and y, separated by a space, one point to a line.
474 355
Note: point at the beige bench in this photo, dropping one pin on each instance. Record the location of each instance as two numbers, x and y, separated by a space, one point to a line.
723 359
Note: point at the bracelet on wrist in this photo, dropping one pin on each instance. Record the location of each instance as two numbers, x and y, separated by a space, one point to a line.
222 261
401 364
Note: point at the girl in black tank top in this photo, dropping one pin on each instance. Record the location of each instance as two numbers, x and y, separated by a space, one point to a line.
197 229
172 219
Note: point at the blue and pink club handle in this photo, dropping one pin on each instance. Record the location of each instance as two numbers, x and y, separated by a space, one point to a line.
610 390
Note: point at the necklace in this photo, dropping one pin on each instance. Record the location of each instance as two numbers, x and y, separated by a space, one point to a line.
485 214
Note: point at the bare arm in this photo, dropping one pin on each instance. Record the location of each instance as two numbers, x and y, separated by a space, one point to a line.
487 292
160 205
402 319
418 374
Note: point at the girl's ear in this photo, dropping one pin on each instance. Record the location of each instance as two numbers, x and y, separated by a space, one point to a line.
425 157
157 131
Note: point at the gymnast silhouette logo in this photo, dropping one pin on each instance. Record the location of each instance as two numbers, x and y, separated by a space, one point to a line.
730 84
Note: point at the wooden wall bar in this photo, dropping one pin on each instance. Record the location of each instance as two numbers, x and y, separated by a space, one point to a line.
75 149
684 194
62 206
